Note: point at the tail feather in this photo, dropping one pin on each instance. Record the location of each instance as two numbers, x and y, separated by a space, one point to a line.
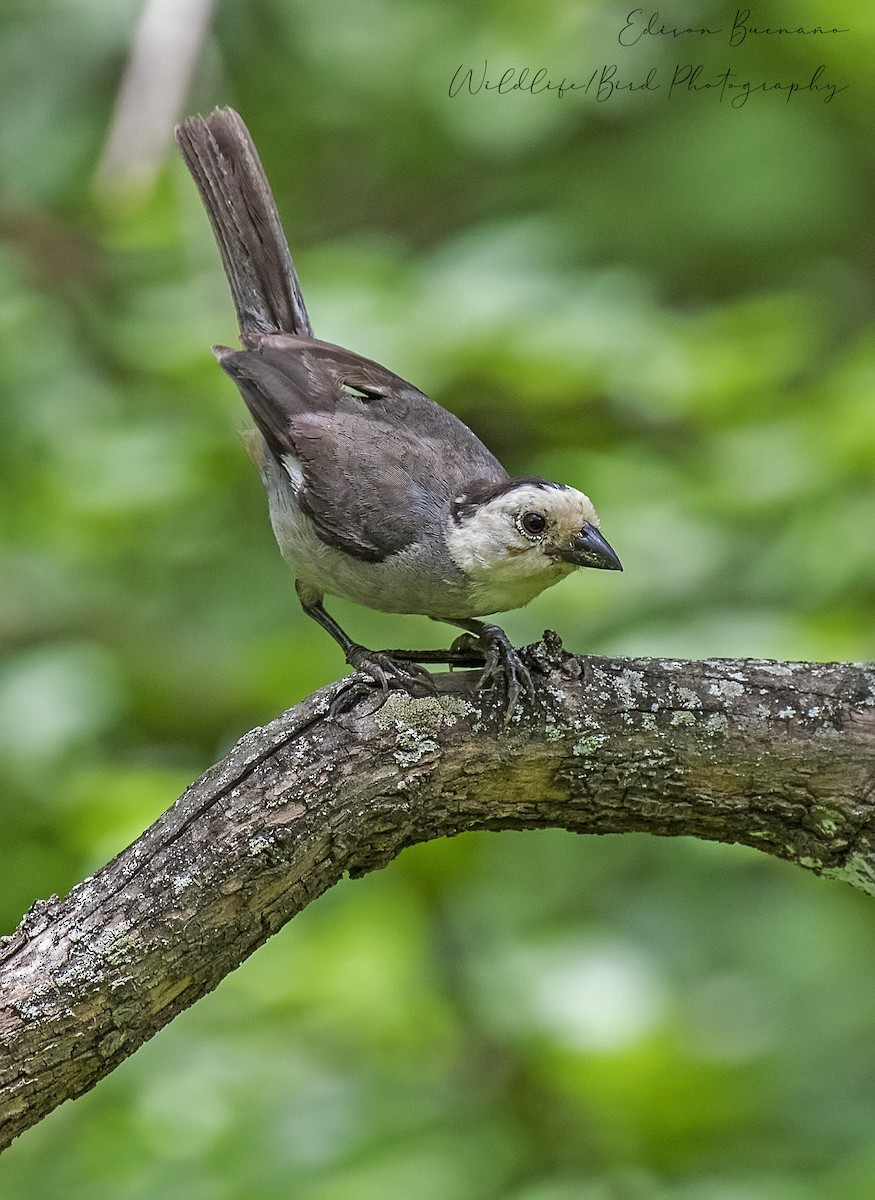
224 164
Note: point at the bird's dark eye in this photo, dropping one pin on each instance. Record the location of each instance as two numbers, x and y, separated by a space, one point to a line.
533 523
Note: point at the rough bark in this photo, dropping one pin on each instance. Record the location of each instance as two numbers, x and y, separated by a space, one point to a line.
779 756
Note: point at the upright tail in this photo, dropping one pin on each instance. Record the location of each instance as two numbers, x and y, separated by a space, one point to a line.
224 164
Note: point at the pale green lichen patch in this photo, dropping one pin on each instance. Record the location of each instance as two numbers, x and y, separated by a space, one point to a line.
725 688
258 843
716 723
415 718
858 871
627 686
422 712
590 744
683 717
553 731
412 747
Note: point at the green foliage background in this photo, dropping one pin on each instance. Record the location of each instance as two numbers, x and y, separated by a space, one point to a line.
667 303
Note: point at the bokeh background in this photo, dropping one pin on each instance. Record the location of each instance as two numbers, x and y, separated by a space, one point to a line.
668 303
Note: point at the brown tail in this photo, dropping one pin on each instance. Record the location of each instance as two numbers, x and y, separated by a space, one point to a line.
224 164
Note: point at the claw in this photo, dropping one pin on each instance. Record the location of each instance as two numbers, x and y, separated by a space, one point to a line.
384 670
505 670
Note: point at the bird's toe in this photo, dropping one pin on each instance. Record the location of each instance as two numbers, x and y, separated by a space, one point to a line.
383 670
505 673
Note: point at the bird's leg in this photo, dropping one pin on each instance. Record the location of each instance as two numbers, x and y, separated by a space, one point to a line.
505 670
381 665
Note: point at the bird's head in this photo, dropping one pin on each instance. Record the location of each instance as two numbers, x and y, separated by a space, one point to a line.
516 538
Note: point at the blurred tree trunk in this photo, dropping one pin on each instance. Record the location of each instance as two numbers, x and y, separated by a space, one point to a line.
779 756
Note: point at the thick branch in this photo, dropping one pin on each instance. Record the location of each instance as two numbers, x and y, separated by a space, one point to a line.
774 755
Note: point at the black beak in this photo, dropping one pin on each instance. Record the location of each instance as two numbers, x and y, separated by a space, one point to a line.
589 549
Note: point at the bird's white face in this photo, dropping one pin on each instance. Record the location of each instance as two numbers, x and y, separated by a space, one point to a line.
525 539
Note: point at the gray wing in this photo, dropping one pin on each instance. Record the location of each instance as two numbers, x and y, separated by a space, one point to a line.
381 462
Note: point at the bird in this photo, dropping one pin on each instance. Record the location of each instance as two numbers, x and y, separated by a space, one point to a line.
375 492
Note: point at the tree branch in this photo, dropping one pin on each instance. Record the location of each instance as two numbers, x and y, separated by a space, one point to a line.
774 755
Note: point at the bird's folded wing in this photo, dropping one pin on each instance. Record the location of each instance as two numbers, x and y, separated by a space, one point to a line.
378 463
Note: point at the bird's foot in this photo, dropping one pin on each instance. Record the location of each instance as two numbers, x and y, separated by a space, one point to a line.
379 669
383 669
504 673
